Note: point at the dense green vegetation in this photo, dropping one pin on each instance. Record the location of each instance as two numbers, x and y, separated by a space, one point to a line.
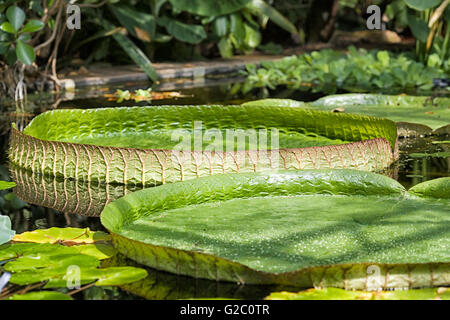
359 70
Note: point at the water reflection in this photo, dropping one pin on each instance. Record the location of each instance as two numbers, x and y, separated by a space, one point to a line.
66 195
159 285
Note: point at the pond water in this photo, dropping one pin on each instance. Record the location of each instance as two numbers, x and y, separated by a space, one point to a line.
45 206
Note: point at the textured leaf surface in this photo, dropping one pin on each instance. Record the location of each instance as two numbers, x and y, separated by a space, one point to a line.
209 7
436 188
251 228
396 108
133 145
340 294
35 262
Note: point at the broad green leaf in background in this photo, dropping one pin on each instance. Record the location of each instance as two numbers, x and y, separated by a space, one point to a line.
422 4
133 52
190 33
33 26
209 7
6 233
220 26
225 46
7 27
419 28
25 52
16 17
274 15
134 20
252 36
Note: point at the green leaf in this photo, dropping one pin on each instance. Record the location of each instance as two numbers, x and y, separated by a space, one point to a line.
25 52
41 295
16 17
419 28
133 52
220 26
133 20
7 27
274 15
301 228
209 7
4 47
252 36
225 47
237 29
34 263
189 33
7 185
63 235
33 26
422 4
6 233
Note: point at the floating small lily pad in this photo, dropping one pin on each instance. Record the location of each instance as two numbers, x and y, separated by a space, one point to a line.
37 262
66 236
398 108
41 295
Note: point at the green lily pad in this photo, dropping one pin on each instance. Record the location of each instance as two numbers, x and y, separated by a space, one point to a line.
36 262
340 294
396 108
41 295
304 228
67 236
160 144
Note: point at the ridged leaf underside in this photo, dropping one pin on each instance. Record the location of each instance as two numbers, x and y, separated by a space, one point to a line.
65 195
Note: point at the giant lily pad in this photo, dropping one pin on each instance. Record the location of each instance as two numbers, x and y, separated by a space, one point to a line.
304 228
402 109
154 145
